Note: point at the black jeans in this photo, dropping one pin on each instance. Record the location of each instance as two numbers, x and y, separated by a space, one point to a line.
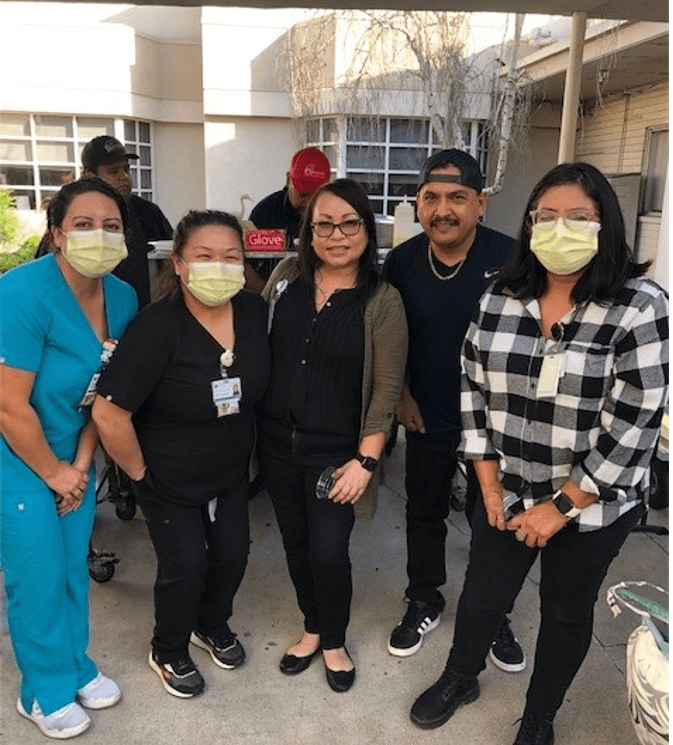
573 566
316 532
200 564
430 467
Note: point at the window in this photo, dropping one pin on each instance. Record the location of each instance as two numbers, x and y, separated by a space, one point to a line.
39 153
385 155
655 171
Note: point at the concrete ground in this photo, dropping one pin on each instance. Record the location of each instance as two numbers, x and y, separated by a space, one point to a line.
257 705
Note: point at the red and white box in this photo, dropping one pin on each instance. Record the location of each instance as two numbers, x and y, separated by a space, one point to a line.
264 240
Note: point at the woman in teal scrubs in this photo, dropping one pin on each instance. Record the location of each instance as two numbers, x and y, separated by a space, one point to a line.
59 317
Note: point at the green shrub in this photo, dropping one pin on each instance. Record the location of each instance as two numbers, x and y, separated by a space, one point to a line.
25 253
9 220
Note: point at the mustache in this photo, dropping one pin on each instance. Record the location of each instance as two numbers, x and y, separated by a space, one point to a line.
440 221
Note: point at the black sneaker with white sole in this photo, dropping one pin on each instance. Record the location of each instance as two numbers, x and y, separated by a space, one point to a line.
225 649
407 637
180 677
506 652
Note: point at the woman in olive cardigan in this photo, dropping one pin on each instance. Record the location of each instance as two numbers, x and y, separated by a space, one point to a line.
339 343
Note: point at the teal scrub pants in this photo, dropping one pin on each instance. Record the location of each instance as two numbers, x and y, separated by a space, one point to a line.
44 561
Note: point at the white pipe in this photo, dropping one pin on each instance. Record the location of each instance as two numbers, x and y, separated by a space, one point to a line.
571 92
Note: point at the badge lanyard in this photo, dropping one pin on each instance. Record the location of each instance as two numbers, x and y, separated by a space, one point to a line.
109 346
553 366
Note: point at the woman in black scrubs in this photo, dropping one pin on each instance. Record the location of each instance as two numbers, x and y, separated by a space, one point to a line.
339 341
175 411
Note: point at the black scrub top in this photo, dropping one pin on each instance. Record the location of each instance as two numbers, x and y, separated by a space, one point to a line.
163 370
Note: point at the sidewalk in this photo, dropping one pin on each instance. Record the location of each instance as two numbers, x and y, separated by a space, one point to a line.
257 705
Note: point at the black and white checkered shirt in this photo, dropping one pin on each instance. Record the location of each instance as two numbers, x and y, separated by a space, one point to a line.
601 427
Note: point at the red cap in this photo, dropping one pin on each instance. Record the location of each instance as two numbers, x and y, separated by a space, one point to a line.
309 170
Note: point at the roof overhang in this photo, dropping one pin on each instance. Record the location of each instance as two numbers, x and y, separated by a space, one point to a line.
644 10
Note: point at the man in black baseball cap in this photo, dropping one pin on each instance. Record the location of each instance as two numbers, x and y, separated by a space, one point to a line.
441 274
107 158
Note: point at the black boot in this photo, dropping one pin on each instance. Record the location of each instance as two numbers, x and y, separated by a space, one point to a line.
535 729
440 701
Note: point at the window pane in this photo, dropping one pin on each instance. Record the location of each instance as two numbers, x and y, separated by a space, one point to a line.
145 179
408 130
12 150
53 126
329 130
363 156
313 130
366 130
25 199
143 132
89 128
400 185
655 178
331 153
129 130
372 182
16 175
145 156
55 152
15 125
407 159
56 176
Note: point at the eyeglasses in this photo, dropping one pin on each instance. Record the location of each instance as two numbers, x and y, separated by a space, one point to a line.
576 220
347 227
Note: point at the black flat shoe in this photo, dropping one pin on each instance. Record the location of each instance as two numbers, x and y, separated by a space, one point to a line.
293 665
340 680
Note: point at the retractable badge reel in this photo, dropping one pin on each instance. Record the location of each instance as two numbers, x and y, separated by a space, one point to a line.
109 346
227 391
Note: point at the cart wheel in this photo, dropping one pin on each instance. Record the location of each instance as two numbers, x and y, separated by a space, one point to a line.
126 510
658 484
102 572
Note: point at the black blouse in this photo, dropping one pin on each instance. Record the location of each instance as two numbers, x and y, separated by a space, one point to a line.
162 371
316 378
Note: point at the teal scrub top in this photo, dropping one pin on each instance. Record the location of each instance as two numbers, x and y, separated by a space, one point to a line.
43 330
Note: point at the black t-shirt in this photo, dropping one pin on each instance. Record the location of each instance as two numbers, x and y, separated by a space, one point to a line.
275 211
146 223
318 358
162 371
438 314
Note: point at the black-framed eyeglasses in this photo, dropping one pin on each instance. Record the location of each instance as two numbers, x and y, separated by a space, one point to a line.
347 227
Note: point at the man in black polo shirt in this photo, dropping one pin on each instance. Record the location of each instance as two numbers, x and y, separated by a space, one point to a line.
105 157
285 209
441 274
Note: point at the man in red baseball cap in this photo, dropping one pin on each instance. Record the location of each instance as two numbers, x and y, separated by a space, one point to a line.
285 209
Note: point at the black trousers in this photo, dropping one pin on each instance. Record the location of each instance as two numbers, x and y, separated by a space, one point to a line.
573 566
430 468
316 532
201 559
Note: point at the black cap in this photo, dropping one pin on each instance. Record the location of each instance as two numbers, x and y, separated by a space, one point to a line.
103 150
470 173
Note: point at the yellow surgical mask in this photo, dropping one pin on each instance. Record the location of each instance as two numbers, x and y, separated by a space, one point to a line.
94 253
563 250
214 282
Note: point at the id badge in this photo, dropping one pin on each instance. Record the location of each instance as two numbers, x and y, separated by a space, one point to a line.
90 393
227 396
550 375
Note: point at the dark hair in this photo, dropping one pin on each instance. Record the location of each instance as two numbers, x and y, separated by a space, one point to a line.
353 193
169 282
612 266
60 204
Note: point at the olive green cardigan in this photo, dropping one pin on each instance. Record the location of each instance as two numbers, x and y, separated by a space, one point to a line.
385 360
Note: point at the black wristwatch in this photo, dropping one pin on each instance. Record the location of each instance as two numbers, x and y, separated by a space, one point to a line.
367 462
565 505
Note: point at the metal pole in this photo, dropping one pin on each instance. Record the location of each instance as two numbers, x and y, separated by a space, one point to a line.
571 92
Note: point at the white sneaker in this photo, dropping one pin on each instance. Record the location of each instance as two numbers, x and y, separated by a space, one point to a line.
100 693
69 721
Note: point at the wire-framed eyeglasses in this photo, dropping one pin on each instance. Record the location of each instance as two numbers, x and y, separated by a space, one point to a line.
324 229
577 220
